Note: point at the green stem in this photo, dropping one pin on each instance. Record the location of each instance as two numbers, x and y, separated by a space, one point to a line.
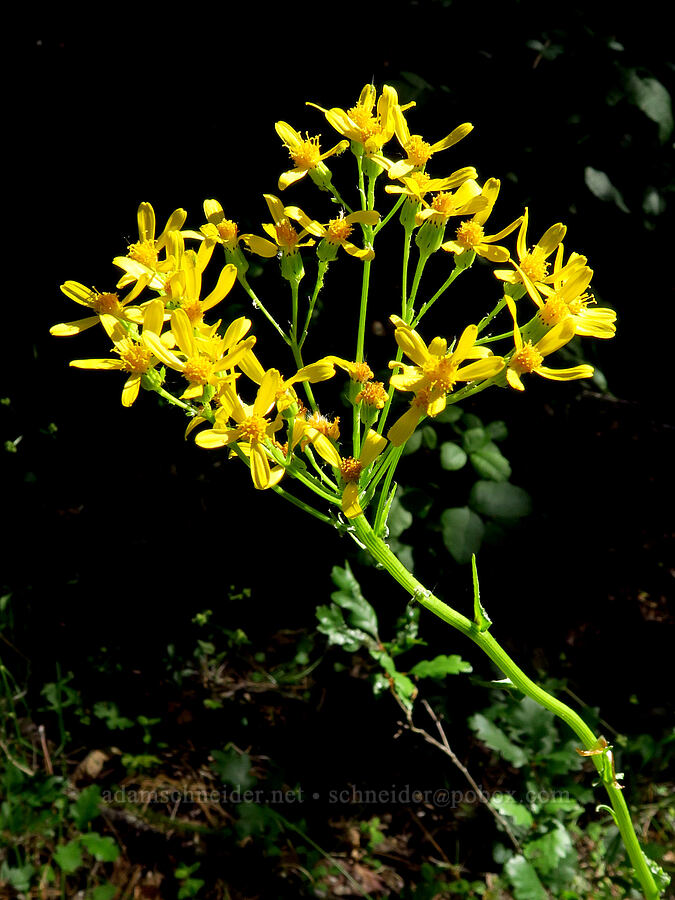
483 639
365 284
258 305
302 505
485 321
446 284
320 275
380 225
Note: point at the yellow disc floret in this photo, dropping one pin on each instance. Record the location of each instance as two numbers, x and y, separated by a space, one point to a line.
198 369
254 428
338 230
469 234
228 231
306 154
441 373
287 236
373 394
351 469
527 359
554 310
106 303
534 265
144 252
136 357
419 151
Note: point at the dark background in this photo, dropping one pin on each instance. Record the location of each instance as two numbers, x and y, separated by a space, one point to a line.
119 531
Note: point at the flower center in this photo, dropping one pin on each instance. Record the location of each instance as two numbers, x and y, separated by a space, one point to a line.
136 357
444 204
144 252
554 310
306 156
534 266
107 303
338 230
287 236
365 121
419 151
373 394
325 426
197 370
254 428
227 229
194 311
469 234
441 372
526 359
361 372
351 469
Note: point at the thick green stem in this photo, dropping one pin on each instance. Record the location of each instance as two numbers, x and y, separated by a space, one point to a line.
483 639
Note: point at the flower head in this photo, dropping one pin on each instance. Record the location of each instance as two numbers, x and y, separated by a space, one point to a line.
437 369
528 357
366 123
471 234
305 153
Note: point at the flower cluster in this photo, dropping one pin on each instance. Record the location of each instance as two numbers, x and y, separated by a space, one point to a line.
159 318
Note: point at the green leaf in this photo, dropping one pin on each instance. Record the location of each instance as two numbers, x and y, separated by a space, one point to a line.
399 520
440 666
546 852
599 184
480 616
349 597
17 877
653 99
497 430
507 806
474 438
101 847
462 532
333 625
86 807
110 713
525 881
233 768
452 456
404 687
500 500
496 740
490 462
413 443
450 414
104 892
69 857
429 437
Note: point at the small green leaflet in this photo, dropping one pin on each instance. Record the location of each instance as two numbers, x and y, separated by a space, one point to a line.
480 617
441 666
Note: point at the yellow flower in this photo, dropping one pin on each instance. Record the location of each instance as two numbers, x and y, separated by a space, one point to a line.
471 234
351 470
285 395
205 358
305 153
338 231
436 370
142 258
364 123
252 433
528 357
184 287
135 357
418 151
565 298
532 263
465 201
284 236
108 304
